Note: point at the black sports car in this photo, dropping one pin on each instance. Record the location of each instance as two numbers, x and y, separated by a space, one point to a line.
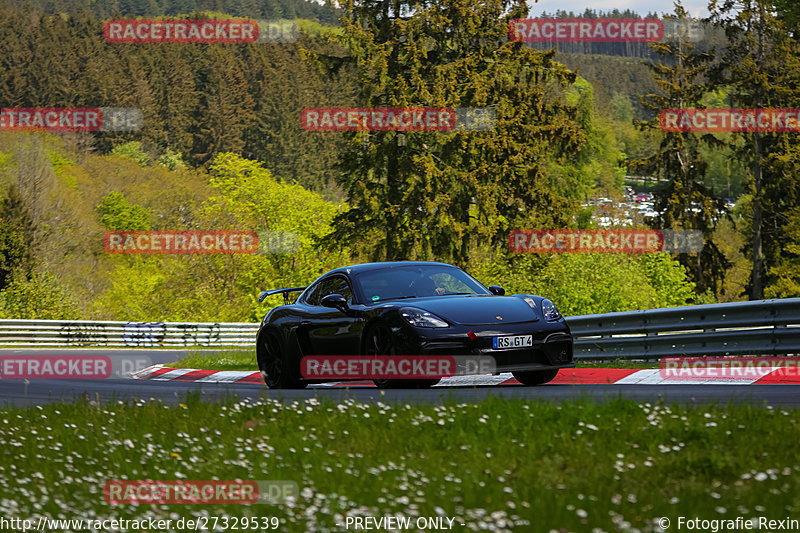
411 308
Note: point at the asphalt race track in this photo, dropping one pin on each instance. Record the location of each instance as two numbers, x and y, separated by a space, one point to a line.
41 391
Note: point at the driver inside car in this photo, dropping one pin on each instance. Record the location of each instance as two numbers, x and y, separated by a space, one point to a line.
424 286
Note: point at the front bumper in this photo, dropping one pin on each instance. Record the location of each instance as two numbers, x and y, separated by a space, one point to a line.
552 345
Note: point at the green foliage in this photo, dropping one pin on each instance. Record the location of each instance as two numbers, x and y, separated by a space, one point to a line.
603 283
59 162
706 298
38 297
621 108
451 197
171 160
606 159
198 100
726 175
582 283
581 95
787 272
146 289
789 12
611 76
583 219
245 197
132 150
598 162
269 9
16 236
117 214
667 277
311 27
13 252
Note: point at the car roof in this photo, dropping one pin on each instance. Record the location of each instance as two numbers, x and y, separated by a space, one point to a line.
365 267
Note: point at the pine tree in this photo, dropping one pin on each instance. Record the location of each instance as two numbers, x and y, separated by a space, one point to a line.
686 203
761 68
443 195
178 98
226 105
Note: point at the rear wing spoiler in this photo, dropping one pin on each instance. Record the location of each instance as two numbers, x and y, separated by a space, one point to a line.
285 293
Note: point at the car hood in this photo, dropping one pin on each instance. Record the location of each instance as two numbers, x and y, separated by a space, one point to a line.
477 310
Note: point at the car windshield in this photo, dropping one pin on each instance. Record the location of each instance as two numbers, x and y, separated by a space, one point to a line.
417 281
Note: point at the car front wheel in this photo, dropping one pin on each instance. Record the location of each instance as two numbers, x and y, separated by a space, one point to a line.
380 341
535 377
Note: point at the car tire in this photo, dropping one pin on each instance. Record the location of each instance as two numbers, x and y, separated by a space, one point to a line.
535 377
379 340
278 369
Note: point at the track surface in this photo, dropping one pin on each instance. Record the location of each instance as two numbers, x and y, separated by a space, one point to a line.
36 392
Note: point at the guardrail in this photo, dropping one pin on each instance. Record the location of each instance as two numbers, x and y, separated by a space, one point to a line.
763 327
125 334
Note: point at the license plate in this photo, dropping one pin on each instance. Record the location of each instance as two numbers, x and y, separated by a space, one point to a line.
513 341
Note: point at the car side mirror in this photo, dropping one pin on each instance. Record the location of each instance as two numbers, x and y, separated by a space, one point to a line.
496 289
334 301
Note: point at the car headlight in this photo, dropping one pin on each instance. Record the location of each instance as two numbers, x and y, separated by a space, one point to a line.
549 310
422 319
530 301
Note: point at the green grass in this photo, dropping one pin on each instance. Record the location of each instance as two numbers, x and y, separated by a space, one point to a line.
234 359
499 465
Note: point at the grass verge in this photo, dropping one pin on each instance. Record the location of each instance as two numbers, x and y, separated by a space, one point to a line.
500 465
233 359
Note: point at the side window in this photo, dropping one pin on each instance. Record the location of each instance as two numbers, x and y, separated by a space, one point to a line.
339 286
315 295
335 285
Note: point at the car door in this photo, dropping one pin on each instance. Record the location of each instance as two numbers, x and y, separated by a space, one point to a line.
330 331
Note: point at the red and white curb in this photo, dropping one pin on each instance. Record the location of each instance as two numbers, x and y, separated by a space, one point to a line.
586 376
